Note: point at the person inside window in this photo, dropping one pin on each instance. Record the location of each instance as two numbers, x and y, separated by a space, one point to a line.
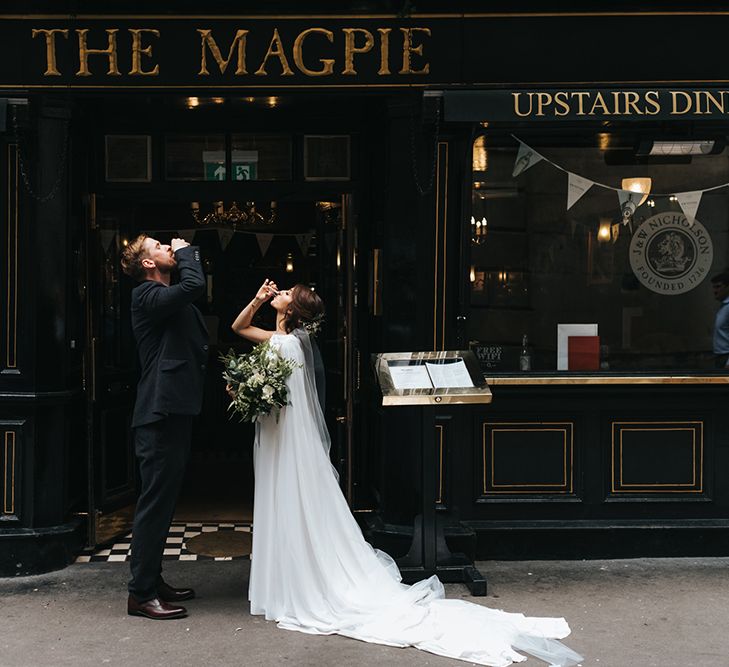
720 285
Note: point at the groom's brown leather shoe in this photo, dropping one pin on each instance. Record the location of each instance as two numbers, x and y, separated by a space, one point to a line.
155 609
169 594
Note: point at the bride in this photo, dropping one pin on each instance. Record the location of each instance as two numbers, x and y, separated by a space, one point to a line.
312 570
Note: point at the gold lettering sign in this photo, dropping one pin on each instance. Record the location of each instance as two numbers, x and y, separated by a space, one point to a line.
84 52
327 63
208 41
353 49
138 52
626 103
275 49
350 49
384 51
51 69
408 49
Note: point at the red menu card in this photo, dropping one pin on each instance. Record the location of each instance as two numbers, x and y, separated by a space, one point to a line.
583 353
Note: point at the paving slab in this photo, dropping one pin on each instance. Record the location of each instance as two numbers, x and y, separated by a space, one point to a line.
623 613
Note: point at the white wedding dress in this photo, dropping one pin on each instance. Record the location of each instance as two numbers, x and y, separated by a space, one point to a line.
312 570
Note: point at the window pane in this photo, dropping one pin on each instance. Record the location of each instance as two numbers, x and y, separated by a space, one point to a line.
326 158
195 157
640 274
261 157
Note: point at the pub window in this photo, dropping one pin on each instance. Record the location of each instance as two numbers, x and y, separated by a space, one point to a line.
607 284
260 157
128 158
326 158
195 157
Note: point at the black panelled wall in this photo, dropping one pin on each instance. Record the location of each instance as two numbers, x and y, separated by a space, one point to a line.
40 396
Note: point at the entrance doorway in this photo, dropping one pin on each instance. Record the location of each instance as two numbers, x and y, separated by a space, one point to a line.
291 241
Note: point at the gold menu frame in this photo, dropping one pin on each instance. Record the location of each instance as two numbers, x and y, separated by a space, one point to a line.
479 393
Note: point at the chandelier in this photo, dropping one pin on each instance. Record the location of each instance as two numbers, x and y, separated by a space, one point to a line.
233 215
479 229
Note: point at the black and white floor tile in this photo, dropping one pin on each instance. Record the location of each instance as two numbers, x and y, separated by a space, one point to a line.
175 546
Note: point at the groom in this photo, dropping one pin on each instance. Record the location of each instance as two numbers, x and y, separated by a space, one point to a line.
172 343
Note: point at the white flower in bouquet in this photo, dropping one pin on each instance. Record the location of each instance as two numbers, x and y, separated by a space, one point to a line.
258 381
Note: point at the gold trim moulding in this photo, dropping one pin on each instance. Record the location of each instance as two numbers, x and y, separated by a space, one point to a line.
607 380
411 17
438 399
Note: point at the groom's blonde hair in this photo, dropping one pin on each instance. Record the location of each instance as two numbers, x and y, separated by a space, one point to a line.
132 256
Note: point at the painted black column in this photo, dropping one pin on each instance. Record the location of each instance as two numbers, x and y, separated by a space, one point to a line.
39 395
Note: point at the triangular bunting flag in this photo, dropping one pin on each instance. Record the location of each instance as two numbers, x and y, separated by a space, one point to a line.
304 241
107 239
264 241
628 203
225 236
689 203
188 235
576 187
525 158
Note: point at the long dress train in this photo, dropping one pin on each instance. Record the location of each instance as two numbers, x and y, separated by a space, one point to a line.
312 570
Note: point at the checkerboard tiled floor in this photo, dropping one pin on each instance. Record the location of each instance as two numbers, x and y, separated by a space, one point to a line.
175 547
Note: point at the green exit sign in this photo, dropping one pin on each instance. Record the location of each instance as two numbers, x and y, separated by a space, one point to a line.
214 171
244 171
244 165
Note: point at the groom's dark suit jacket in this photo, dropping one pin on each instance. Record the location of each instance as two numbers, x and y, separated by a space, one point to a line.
172 342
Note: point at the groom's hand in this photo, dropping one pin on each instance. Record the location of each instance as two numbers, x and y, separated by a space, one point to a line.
176 244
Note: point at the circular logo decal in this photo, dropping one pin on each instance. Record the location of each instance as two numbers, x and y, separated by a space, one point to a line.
669 255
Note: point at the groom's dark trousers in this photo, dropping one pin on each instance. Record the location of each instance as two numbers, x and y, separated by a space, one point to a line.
172 342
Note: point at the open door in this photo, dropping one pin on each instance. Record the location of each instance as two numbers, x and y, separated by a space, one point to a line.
338 271
109 378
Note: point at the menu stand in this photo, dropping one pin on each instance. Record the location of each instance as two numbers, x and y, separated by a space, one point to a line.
429 554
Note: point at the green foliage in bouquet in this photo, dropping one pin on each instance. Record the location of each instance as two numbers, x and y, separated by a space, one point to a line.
258 381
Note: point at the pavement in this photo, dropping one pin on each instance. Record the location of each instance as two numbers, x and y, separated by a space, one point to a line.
623 613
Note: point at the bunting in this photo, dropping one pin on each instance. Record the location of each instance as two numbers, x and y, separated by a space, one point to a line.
628 203
225 236
264 241
108 239
525 158
689 203
577 186
304 241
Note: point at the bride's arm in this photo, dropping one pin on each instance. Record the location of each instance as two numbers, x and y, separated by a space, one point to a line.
242 325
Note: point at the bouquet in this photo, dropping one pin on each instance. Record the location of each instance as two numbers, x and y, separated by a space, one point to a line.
257 381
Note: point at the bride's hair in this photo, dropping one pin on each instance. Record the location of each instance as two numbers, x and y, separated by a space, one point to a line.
306 306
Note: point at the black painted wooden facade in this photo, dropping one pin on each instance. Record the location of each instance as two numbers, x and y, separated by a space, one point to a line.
549 469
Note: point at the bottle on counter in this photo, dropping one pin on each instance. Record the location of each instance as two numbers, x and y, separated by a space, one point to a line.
525 358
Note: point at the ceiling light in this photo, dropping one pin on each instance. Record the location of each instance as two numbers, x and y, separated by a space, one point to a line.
641 185
604 232
703 147
680 148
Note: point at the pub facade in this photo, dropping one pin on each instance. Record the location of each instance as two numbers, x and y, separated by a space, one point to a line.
496 182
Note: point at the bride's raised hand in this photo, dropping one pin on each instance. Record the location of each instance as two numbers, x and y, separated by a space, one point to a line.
266 291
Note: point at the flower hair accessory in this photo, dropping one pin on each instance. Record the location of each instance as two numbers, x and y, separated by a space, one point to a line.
313 325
